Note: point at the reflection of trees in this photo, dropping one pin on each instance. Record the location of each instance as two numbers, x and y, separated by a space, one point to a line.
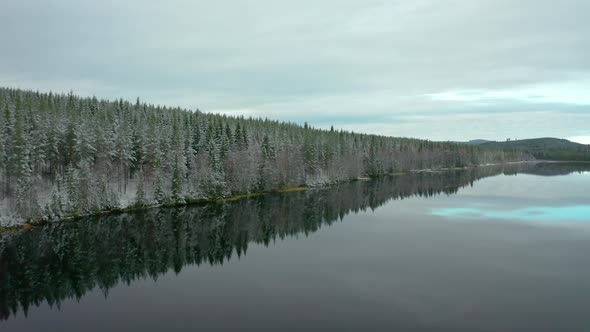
66 260
547 169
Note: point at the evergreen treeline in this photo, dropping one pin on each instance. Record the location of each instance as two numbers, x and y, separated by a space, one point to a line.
61 155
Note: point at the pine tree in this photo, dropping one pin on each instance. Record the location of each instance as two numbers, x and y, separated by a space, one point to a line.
176 189
26 201
18 145
2 149
140 197
159 194
73 191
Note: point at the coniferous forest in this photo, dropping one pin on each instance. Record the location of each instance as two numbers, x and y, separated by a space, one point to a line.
63 155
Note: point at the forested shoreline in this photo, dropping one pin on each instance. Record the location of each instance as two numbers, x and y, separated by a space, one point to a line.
63 156
66 260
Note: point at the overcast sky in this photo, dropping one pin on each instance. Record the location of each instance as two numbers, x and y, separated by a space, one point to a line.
434 69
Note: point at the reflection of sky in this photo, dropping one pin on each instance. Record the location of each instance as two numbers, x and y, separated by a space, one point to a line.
539 213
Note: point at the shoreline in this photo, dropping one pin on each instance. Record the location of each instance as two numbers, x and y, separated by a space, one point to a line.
446 169
188 202
131 209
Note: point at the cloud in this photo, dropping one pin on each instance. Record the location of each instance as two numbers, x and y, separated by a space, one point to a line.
580 139
567 92
550 215
365 64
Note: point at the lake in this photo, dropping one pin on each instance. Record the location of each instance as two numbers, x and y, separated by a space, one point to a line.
485 249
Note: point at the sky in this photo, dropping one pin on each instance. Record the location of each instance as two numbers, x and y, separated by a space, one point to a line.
435 69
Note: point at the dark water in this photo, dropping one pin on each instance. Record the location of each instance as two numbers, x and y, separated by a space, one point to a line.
491 249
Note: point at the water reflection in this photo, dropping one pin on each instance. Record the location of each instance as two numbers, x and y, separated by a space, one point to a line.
66 260
538 213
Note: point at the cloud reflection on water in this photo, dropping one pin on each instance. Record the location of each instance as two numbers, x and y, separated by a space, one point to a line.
578 213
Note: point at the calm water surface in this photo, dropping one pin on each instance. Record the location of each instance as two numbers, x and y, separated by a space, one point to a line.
491 249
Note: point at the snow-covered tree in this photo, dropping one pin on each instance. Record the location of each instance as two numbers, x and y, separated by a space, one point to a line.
76 156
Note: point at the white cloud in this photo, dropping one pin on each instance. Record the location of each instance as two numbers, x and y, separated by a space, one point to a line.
568 92
368 62
580 139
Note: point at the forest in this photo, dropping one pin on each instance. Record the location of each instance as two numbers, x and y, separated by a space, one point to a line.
65 156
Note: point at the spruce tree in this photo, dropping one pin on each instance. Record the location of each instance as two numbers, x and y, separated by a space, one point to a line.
140 197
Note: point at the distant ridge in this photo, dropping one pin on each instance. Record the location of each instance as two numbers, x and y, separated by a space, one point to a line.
478 141
545 148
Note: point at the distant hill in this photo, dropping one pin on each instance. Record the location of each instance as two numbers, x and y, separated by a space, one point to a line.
546 148
478 141
473 142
